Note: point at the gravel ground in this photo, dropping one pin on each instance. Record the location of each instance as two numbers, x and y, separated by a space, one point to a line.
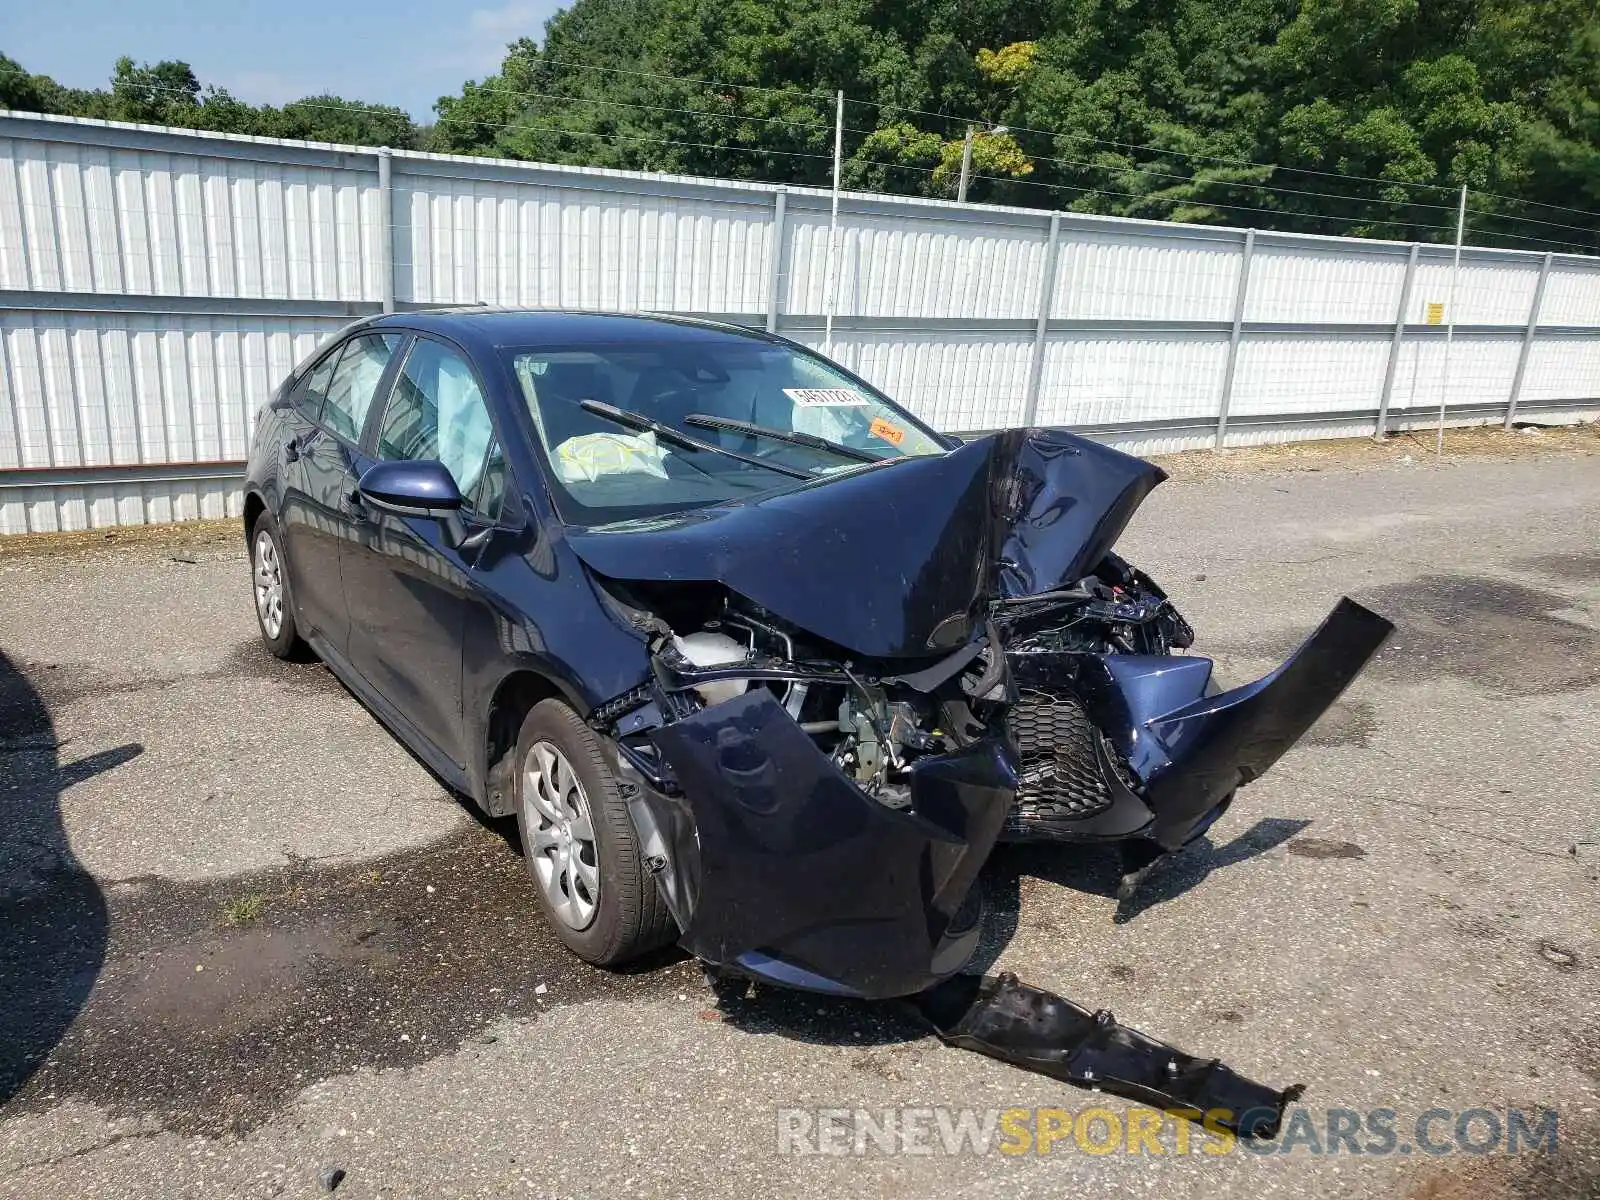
252 940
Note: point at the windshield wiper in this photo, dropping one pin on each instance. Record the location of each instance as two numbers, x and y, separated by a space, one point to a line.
676 437
795 437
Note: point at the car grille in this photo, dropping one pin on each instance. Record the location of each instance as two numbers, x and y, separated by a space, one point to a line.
1060 777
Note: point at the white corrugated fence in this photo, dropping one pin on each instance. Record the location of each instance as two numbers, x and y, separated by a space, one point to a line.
155 284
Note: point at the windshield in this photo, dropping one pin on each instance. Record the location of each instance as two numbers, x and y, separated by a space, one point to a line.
775 415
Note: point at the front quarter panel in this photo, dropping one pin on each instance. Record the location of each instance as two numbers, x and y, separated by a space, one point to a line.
542 615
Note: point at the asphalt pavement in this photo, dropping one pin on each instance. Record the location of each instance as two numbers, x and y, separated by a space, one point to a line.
250 947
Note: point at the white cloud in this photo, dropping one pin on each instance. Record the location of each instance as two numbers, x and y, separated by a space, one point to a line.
263 87
481 46
509 21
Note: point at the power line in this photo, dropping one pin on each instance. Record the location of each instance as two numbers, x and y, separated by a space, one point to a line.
1266 187
709 83
1160 199
948 117
1199 203
1199 180
1499 216
1151 196
522 125
1084 137
1241 162
759 151
697 112
625 137
1583 212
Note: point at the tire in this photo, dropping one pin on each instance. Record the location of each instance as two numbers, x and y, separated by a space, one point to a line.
627 918
267 543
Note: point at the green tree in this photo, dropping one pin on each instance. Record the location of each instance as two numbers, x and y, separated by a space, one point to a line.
169 93
1329 116
165 94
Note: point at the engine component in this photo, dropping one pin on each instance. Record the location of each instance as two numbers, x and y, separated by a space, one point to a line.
862 749
708 649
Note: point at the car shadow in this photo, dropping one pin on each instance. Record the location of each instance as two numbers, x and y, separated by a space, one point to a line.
1097 871
1092 869
53 920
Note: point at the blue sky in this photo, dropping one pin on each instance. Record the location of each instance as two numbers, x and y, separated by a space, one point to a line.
405 52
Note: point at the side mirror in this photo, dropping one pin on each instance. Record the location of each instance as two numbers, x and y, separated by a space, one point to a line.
423 488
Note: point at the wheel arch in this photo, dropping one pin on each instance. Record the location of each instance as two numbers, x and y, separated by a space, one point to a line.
254 505
509 704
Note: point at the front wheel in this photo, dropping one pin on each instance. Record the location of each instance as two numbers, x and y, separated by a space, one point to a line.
269 579
579 844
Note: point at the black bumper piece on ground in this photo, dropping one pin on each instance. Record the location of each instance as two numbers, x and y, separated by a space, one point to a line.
1040 1032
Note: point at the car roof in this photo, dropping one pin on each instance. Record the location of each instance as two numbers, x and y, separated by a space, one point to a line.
484 328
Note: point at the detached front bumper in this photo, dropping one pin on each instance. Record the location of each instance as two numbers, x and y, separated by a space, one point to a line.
799 878
1152 749
777 866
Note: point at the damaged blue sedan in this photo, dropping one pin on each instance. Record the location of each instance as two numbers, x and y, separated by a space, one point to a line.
761 663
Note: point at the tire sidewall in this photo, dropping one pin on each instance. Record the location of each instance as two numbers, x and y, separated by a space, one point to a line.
282 646
622 875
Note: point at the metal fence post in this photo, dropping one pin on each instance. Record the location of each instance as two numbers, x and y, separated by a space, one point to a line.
1233 339
1527 339
1394 343
775 266
1047 292
386 221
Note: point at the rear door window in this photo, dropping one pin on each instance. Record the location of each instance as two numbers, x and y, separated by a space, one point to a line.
354 382
315 390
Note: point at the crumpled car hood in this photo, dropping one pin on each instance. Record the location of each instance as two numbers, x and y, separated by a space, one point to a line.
899 560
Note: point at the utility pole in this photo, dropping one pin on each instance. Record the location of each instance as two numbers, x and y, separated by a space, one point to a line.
831 300
966 157
1450 322
966 166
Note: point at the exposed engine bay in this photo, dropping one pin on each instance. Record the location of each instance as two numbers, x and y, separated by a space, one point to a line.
840 718
874 722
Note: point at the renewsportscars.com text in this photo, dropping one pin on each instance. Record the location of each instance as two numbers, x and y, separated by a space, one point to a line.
1099 1130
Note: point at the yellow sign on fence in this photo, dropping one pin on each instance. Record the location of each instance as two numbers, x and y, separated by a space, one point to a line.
1435 312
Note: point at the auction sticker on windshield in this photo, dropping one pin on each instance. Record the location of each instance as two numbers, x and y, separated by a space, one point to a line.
825 397
886 430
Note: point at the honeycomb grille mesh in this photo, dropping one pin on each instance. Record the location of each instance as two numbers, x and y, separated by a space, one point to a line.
1060 777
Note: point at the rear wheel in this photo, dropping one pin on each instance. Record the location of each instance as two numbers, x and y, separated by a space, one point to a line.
579 844
269 579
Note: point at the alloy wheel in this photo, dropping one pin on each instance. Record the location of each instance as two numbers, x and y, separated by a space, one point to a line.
269 584
560 835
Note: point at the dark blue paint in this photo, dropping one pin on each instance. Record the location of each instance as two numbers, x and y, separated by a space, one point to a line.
803 878
420 487
780 865
1191 746
917 539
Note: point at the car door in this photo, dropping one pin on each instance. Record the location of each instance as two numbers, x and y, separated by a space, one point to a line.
310 551
410 591
317 519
